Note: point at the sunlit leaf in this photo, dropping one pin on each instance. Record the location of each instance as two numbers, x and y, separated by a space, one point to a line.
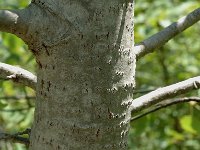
188 123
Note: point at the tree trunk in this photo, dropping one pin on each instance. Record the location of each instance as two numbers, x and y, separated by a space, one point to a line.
86 69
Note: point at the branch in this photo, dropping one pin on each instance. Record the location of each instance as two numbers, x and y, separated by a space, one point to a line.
166 103
159 39
16 137
16 110
13 21
18 75
164 93
17 97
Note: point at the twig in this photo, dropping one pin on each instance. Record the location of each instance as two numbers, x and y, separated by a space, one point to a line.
166 103
160 94
159 39
19 75
14 110
17 97
16 137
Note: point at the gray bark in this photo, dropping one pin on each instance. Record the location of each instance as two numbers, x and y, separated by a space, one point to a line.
86 69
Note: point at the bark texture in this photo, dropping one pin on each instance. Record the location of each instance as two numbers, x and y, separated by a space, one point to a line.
86 69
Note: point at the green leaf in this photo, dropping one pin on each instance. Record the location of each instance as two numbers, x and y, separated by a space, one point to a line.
190 124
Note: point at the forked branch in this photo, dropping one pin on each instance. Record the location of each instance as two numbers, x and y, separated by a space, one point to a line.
165 104
167 92
159 39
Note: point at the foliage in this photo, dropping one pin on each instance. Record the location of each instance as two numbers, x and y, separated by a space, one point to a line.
13 51
174 128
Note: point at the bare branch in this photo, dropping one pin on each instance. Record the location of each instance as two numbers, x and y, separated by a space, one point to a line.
13 21
16 137
16 110
164 93
159 39
17 97
19 75
165 104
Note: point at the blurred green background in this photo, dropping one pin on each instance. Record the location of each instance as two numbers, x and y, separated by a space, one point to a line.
174 128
